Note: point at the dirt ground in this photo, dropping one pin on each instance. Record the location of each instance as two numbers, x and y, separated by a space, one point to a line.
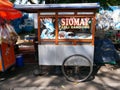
23 78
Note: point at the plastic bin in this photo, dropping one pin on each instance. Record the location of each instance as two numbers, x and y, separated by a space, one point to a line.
19 60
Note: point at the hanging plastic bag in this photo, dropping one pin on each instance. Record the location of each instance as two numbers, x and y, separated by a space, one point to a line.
5 37
12 33
11 29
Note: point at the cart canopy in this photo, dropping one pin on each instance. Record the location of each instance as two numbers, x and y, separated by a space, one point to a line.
37 7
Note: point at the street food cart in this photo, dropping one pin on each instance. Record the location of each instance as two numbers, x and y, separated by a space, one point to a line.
65 34
8 36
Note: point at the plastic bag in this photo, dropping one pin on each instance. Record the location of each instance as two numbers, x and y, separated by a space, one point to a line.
12 33
5 37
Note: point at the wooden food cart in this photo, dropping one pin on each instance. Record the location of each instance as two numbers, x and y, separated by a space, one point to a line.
64 30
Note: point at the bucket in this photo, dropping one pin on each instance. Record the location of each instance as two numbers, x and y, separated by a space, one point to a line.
19 60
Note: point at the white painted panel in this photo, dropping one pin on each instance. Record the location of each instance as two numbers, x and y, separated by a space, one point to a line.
47 55
55 54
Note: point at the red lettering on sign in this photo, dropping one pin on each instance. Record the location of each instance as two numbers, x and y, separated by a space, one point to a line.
74 21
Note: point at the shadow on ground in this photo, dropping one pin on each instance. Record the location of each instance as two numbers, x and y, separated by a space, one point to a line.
23 77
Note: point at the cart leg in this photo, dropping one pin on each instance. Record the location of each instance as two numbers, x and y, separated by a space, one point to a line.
38 71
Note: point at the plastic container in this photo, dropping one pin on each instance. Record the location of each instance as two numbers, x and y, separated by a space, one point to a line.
19 60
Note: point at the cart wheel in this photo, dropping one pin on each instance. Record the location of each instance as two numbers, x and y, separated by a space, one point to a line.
77 68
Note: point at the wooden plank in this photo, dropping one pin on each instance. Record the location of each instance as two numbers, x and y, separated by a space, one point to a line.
39 38
56 28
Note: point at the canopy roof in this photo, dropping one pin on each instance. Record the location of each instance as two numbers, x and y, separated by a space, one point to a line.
7 10
37 7
6 3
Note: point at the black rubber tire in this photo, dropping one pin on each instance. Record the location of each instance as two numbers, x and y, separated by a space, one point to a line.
70 67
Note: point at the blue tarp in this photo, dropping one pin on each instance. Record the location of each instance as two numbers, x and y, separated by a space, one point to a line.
105 52
24 24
